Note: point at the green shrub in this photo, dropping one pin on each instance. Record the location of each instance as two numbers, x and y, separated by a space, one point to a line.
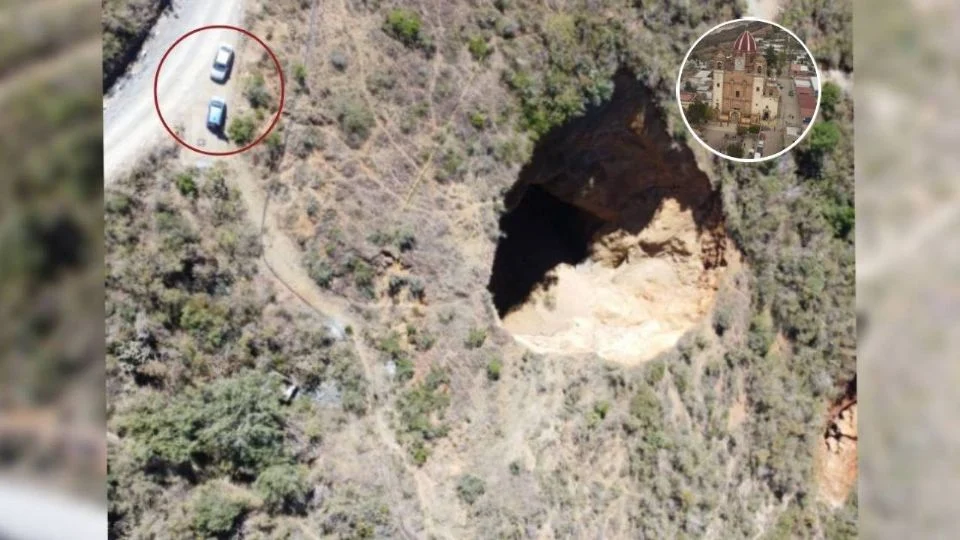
698 112
283 488
494 367
241 129
275 147
824 136
256 92
475 338
734 150
233 425
423 340
419 409
300 74
645 407
319 271
405 26
395 285
754 129
601 408
208 321
186 185
417 289
478 120
363 275
470 488
830 97
479 48
356 121
214 511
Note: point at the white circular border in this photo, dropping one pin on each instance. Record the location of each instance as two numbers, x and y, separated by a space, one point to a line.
816 111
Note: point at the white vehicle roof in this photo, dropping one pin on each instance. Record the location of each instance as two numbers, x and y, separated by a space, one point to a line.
223 54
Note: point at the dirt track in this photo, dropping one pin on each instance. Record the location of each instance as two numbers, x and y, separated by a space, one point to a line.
130 123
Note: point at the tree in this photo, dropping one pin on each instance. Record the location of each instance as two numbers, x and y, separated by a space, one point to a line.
734 150
829 98
241 129
688 87
284 488
233 424
214 510
479 48
404 25
699 112
770 56
824 136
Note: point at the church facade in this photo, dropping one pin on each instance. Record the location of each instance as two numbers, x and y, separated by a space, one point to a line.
741 94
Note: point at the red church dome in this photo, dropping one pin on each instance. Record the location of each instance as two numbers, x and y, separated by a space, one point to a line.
745 43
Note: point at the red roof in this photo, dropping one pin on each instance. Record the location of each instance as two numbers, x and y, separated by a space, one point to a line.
807 103
804 91
745 43
687 96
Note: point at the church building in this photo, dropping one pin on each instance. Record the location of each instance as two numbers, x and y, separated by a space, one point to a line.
741 93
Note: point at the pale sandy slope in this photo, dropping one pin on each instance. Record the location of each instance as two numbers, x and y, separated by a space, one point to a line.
130 123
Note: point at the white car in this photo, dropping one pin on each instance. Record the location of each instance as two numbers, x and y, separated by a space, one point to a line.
222 63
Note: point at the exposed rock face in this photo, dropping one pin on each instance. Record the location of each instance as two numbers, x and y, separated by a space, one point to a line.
641 234
837 467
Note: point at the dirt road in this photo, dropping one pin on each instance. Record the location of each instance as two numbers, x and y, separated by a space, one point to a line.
130 123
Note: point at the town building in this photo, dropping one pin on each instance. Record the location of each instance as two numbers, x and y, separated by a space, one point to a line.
740 92
807 102
800 70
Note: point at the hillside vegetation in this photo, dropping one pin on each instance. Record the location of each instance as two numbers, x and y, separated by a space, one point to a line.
417 414
126 24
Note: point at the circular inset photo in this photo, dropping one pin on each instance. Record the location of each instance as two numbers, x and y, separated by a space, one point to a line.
749 90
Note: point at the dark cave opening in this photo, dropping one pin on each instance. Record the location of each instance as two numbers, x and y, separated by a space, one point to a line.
539 234
608 170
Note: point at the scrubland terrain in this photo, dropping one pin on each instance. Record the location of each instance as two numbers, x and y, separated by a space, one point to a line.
437 163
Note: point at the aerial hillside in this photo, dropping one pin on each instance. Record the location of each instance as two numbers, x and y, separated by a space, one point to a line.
515 299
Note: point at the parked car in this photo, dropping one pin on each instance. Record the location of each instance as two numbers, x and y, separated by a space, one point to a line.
222 63
216 114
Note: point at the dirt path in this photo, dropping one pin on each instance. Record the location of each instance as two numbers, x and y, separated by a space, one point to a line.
130 123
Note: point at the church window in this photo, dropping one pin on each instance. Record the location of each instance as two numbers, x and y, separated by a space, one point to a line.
718 85
738 93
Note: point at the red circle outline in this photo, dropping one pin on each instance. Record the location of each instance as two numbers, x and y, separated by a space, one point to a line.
156 82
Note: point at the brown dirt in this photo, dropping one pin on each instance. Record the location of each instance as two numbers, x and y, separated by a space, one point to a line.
634 297
837 455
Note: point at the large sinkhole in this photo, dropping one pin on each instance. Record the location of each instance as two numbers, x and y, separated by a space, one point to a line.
613 239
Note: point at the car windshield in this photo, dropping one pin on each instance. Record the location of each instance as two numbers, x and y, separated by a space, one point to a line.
216 110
